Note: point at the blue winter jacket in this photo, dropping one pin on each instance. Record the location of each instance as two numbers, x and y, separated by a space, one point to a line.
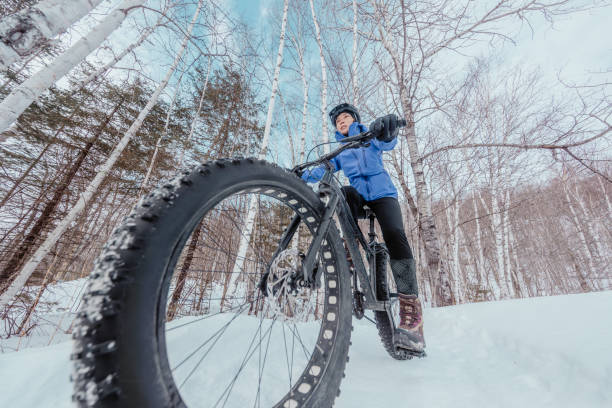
363 167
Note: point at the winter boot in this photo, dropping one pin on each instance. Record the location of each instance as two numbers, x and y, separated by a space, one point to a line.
409 334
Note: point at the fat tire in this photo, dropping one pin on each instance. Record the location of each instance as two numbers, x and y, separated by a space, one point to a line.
383 322
119 355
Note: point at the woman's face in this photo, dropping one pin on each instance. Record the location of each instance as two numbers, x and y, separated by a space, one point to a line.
343 121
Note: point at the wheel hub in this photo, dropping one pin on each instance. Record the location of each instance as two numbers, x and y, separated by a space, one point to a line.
287 294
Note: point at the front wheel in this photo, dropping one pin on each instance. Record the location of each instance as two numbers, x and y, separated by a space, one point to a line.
174 313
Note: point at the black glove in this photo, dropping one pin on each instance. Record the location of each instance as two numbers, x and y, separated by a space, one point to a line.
297 172
386 127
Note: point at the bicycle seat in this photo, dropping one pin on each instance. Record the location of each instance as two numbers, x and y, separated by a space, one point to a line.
368 212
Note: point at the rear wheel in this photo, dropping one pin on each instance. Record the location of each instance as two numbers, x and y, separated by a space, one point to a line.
386 321
174 315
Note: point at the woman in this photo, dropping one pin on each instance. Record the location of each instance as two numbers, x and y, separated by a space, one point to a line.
371 185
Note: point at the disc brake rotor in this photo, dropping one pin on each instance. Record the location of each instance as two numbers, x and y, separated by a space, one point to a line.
286 297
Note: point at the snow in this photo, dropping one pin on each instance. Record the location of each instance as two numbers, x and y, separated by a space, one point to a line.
539 352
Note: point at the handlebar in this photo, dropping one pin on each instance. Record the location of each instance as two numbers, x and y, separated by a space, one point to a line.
351 142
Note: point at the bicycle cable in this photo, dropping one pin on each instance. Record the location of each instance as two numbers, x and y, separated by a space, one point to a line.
320 144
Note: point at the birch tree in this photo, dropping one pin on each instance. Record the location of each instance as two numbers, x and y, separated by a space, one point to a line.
28 31
245 238
21 277
354 63
324 119
27 92
414 36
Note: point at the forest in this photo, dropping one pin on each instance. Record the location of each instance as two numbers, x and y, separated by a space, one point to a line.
504 171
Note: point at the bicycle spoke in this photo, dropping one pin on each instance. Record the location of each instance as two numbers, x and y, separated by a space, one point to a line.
245 360
296 333
221 331
289 366
262 366
209 316
219 283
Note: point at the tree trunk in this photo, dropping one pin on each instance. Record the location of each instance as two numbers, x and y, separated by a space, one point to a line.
182 276
442 292
91 189
40 155
324 134
28 31
480 264
496 227
21 97
354 64
249 222
43 221
582 237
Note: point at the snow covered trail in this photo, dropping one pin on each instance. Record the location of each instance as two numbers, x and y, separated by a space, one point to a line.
541 352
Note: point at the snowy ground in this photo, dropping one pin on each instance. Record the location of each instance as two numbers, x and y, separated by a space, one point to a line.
542 352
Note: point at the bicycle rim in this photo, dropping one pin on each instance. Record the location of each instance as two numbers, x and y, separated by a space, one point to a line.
227 343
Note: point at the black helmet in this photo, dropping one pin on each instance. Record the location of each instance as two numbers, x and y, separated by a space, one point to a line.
344 107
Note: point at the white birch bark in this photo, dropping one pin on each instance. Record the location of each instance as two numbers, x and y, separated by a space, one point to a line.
505 223
605 194
324 134
27 31
304 107
496 226
14 104
289 131
443 294
582 238
595 246
250 218
91 189
354 64
452 216
590 228
492 276
511 245
480 264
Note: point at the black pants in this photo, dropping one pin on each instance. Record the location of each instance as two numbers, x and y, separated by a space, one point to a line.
389 215
389 218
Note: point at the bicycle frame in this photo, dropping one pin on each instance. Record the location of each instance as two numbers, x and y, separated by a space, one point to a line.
335 203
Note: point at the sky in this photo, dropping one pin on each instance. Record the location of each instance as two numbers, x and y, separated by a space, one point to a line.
575 46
